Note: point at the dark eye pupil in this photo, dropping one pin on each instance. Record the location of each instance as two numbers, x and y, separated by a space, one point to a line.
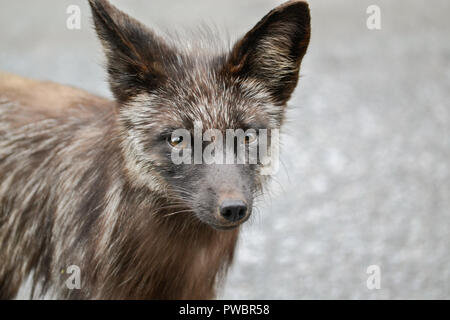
249 138
176 140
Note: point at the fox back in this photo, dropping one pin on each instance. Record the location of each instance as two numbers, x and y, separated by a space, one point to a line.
90 182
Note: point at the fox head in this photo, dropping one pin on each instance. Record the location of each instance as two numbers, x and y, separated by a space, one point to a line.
161 86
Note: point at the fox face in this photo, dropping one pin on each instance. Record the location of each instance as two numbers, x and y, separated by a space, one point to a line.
162 86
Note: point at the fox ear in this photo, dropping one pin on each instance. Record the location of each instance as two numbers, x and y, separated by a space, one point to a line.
272 51
134 53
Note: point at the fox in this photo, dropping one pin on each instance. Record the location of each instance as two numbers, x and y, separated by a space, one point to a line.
89 182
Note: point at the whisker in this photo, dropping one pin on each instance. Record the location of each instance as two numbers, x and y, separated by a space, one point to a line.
177 212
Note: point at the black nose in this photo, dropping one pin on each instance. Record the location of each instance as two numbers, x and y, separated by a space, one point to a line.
233 210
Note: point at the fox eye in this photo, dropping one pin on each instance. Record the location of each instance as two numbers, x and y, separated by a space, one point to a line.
177 142
250 138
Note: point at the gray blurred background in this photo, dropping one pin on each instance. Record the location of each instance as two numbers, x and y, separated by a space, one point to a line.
365 178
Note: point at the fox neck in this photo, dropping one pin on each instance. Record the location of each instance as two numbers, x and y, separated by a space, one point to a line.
159 255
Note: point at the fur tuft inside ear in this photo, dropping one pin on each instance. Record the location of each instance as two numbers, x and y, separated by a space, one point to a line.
272 51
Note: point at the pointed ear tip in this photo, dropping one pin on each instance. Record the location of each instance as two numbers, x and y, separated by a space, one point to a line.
93 4
300 5
99 4
293 9
97 1
299 9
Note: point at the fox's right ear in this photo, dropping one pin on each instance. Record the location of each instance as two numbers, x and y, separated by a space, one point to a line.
272 51
134 53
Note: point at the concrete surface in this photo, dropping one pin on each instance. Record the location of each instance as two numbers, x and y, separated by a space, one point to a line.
366 177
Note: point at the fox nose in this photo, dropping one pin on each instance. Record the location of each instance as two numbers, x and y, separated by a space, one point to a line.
233 210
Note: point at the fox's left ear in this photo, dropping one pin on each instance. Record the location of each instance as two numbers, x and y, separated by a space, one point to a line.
272 51
136 56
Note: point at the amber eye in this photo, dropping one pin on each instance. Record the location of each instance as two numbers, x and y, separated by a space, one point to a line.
176 142
250 138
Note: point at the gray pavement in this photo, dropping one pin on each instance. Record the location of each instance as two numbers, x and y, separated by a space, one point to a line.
365 178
